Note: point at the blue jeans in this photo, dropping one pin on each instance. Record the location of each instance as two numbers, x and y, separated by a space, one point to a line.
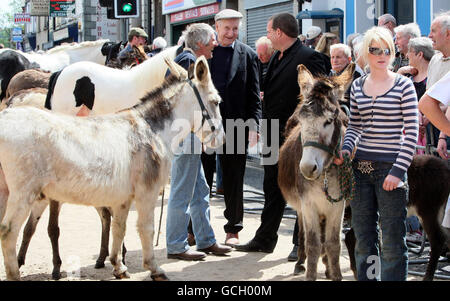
189 197
371 203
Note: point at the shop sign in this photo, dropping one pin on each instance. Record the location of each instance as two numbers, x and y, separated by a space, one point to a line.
171 6
62 8
22 18
194 13
39 7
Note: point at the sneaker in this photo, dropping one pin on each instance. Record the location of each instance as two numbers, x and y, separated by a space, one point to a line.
415 236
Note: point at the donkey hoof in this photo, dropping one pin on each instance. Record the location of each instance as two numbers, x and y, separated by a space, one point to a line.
123 275
56 275
299 269
21 261
99 264
160 277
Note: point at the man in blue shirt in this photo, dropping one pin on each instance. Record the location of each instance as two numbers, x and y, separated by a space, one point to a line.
189 191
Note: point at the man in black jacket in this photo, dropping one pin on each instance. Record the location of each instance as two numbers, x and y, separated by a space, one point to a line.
234 71
281 92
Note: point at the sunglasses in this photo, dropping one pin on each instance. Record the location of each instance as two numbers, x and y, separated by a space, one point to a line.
379 51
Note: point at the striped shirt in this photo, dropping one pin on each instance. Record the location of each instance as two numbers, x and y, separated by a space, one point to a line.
385 127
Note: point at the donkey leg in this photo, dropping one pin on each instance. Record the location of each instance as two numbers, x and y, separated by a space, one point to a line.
301 254
53 233
350 242
313 246
15 215
36 212
4 193
437 240
145 225
105 218
332 246
118 230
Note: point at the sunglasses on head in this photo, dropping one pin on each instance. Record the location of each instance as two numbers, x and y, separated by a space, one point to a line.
379 51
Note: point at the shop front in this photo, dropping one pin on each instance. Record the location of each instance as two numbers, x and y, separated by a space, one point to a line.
179 20
67 34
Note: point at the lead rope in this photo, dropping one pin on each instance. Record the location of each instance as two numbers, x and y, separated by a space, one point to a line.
160 218
346 182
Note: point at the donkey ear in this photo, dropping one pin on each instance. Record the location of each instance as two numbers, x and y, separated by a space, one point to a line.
201 70
305 80
176 69
345 79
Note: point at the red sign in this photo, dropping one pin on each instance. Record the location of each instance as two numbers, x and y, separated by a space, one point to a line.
22 18
194 13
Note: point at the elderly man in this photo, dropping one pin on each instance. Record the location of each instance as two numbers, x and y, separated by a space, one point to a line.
264 50
158 45
341 56
281 92
234 71
388 21
403 33
440 63
189 192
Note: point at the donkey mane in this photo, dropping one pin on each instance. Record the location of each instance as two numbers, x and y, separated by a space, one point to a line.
156 106
77 46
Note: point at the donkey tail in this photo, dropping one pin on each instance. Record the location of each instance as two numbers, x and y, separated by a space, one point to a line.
51 88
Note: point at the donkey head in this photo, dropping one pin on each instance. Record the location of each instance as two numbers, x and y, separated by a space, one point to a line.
202 100
321 119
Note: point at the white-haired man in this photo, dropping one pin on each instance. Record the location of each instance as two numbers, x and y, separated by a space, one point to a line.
157 46
403 33
440 63
189 192
264 50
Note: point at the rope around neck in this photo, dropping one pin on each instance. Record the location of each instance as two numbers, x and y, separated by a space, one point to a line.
346 182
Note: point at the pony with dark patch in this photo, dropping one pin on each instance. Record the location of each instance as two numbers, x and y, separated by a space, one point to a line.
305 163
13 61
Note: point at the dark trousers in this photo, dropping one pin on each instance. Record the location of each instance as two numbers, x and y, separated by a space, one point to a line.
209 167
233 170
274 205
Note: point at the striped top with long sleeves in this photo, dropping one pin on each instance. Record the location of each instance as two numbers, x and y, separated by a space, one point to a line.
386 126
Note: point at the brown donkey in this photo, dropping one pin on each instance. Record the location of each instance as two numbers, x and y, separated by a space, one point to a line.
314 133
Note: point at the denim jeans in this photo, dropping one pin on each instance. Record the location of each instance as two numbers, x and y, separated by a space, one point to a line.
370 205
189 197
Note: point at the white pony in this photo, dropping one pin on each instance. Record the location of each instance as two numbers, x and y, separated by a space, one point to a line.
105 90
59 57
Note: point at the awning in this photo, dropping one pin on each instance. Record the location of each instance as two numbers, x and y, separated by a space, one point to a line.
321 14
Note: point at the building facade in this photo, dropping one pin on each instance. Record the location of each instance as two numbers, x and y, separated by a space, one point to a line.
168 18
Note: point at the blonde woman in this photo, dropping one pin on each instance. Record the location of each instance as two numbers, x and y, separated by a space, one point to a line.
382 104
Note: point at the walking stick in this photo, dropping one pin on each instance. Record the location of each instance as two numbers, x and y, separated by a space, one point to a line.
160 218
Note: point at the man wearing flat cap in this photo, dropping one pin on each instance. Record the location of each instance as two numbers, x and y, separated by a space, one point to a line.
313 36
234 71
136 37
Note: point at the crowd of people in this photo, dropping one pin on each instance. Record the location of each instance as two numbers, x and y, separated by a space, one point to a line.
395 68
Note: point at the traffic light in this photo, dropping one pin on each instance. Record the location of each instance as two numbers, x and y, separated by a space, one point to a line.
126 8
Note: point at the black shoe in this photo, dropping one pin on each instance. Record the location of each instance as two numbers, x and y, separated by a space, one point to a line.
293 255
253 246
